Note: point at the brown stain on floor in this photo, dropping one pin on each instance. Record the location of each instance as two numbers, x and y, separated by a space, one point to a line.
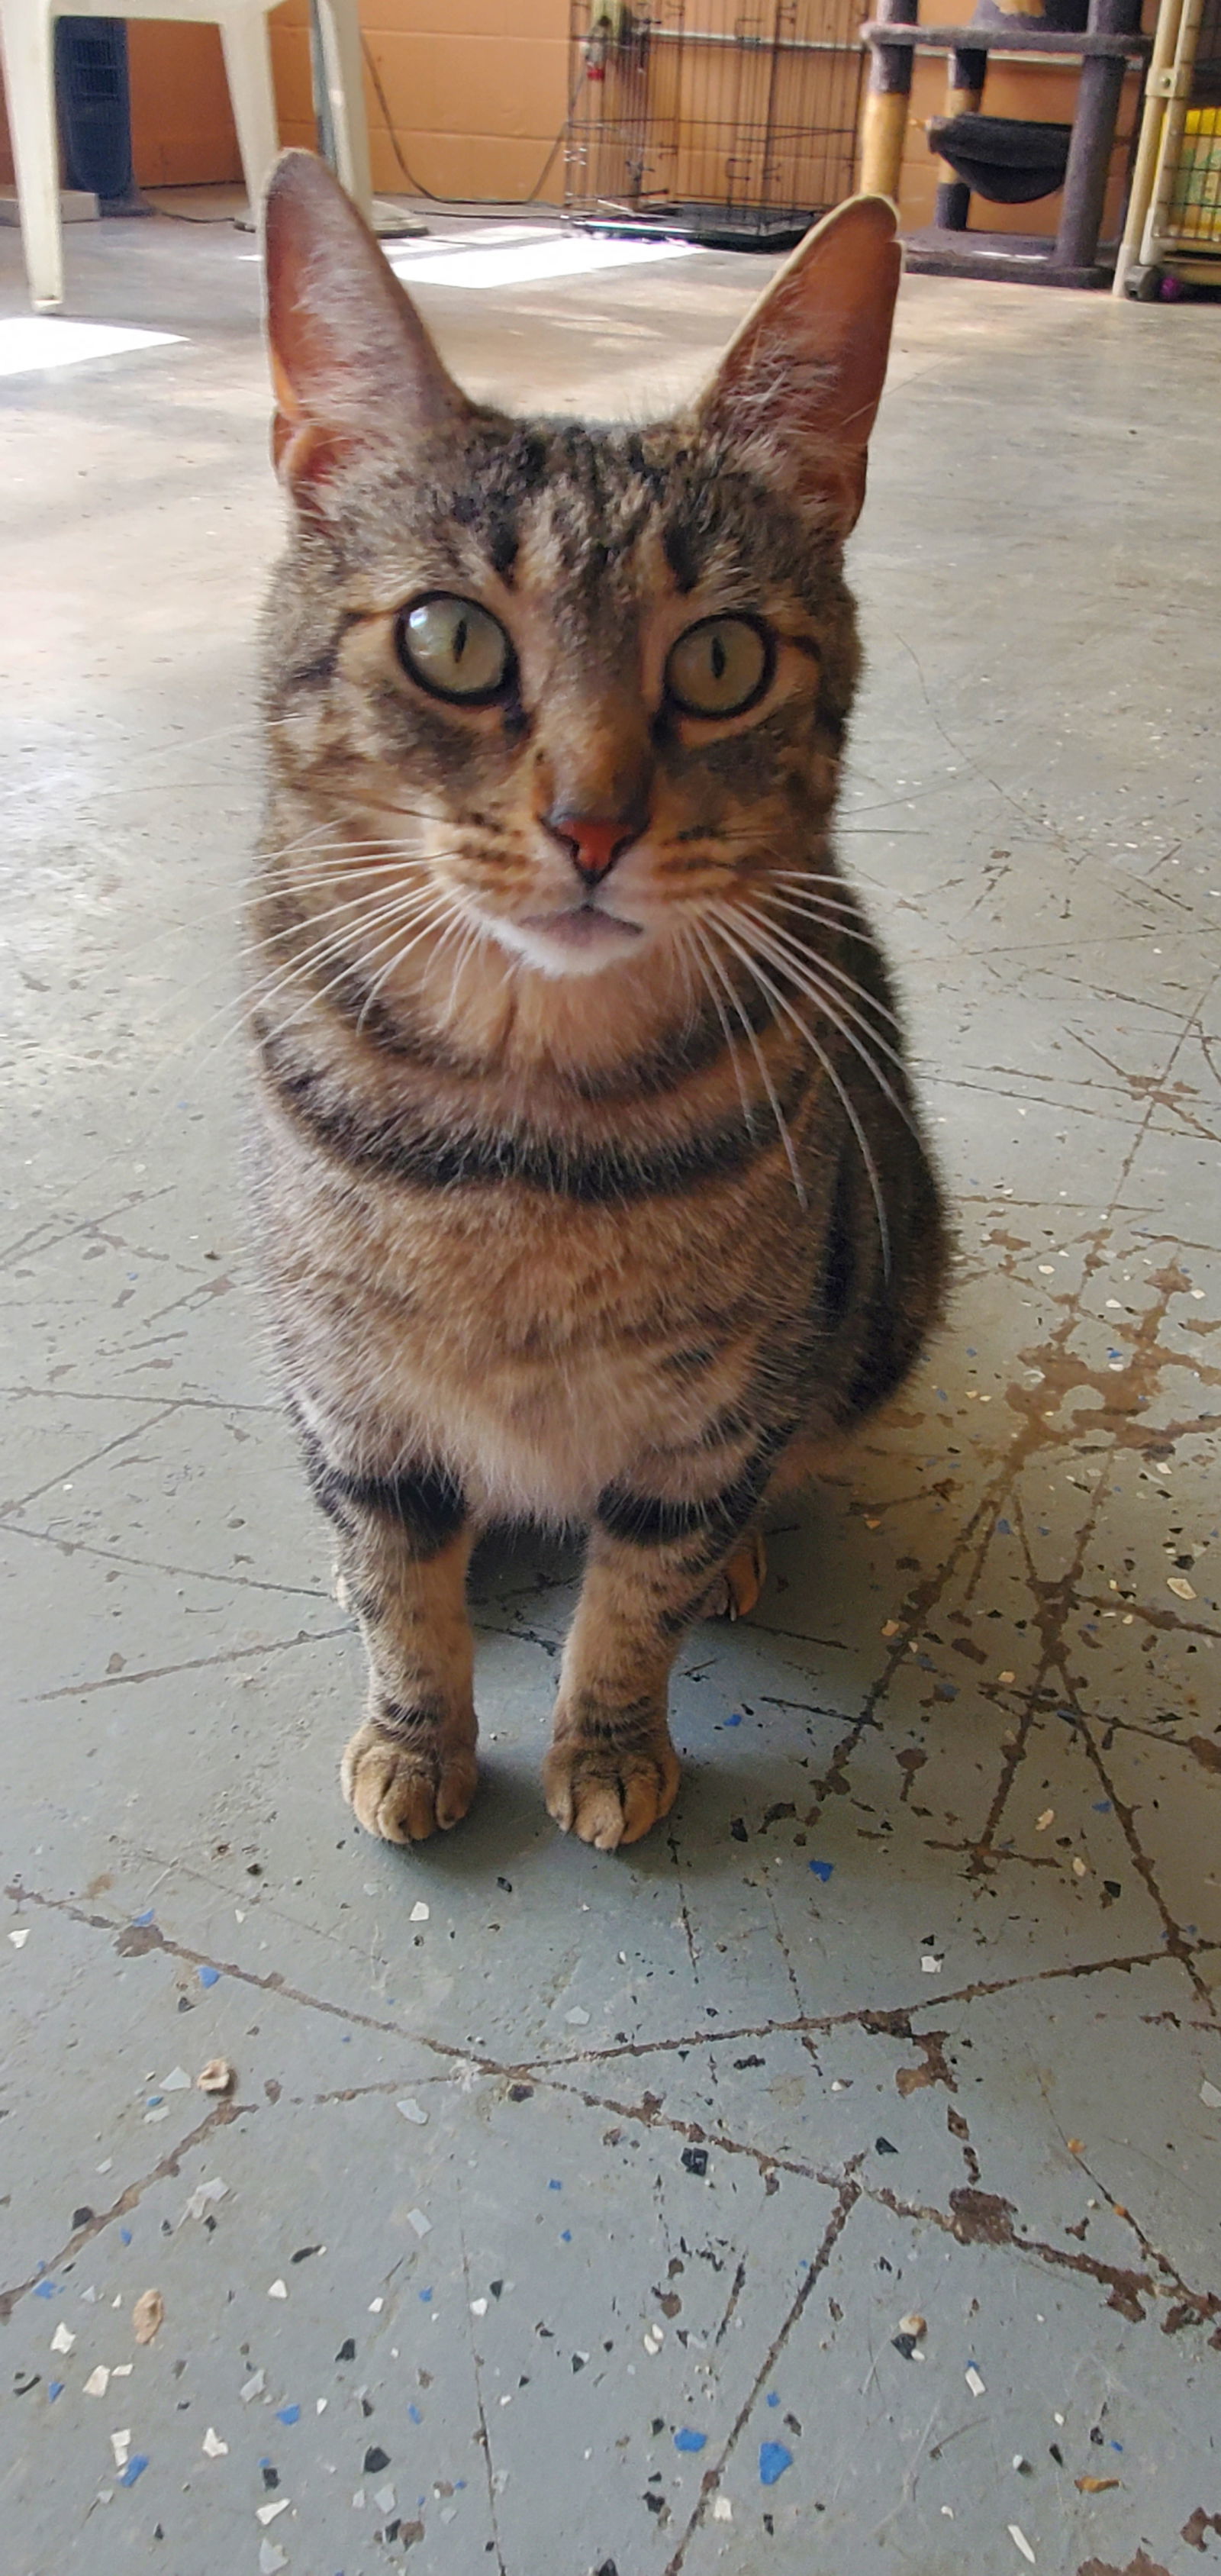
1138 2566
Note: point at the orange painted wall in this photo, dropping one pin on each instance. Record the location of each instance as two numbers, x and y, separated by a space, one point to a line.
478 91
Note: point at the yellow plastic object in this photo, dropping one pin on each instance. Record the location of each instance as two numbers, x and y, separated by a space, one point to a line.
1195 205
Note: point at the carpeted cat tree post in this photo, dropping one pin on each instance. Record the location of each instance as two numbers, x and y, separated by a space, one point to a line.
1006 160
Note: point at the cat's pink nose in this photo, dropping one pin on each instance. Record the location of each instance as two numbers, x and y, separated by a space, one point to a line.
593 841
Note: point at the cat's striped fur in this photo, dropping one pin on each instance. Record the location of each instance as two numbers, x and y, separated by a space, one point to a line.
621 1236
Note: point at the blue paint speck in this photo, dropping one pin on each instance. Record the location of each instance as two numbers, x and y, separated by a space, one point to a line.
425 2296
142 1920
555 2186
822 1869
44 2290
288 2414
689 2441
125 2233
135 2468
55 2390
153 2100
1102 1806
773 2397
209 1976
735 1720
1005 1528
415 2414
774 2459
565 2235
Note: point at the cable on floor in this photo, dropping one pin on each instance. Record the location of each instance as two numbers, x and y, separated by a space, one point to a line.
434 199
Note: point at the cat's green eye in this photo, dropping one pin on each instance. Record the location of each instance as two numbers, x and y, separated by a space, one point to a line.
455 649
720 667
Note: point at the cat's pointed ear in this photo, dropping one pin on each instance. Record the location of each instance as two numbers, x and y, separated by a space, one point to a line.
352 364
801 380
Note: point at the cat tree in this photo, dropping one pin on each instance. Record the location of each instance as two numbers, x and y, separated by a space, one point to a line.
1006 160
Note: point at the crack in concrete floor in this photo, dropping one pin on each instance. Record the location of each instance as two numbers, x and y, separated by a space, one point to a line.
658 2230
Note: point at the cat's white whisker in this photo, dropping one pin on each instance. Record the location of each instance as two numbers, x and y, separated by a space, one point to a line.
387 938
781 1003
826 966
310 920
694 936
764 1070
846 924
375 908
832 1004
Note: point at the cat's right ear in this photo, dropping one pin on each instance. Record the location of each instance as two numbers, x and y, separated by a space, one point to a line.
353 367
800 383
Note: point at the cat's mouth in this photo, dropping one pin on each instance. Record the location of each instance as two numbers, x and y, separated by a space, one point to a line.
584 926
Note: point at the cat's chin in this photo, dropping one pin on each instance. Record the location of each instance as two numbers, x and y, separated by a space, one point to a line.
583 941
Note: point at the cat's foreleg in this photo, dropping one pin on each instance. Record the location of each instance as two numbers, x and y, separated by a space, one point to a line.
652 1570
403 1545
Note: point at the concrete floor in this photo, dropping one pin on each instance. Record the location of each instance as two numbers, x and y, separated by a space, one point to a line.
568 2209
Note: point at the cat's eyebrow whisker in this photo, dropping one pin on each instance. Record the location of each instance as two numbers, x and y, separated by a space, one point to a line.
781 1003
764 1070
821 965
832 1004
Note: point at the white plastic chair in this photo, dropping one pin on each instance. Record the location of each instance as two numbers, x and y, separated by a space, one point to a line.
27 46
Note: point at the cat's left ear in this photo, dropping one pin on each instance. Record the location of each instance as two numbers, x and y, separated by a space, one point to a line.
353 366
801 381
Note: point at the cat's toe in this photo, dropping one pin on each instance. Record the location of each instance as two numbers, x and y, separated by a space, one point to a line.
735 1592
608 1798
402 1792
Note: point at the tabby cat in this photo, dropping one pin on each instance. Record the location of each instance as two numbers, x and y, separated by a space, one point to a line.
591 1185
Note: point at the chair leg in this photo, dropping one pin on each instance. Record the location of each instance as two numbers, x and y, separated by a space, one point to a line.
343 63
247 48
26 42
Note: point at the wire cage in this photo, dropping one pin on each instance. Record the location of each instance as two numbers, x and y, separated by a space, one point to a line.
733 125
1172 233
1193 216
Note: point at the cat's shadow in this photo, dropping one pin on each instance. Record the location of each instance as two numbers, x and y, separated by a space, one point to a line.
717 1828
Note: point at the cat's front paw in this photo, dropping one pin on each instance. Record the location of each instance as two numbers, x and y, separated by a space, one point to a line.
404 1791
609 1797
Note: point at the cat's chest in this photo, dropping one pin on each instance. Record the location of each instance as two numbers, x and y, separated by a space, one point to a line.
544 1348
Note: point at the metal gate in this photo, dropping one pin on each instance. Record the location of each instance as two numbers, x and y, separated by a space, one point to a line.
736 126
